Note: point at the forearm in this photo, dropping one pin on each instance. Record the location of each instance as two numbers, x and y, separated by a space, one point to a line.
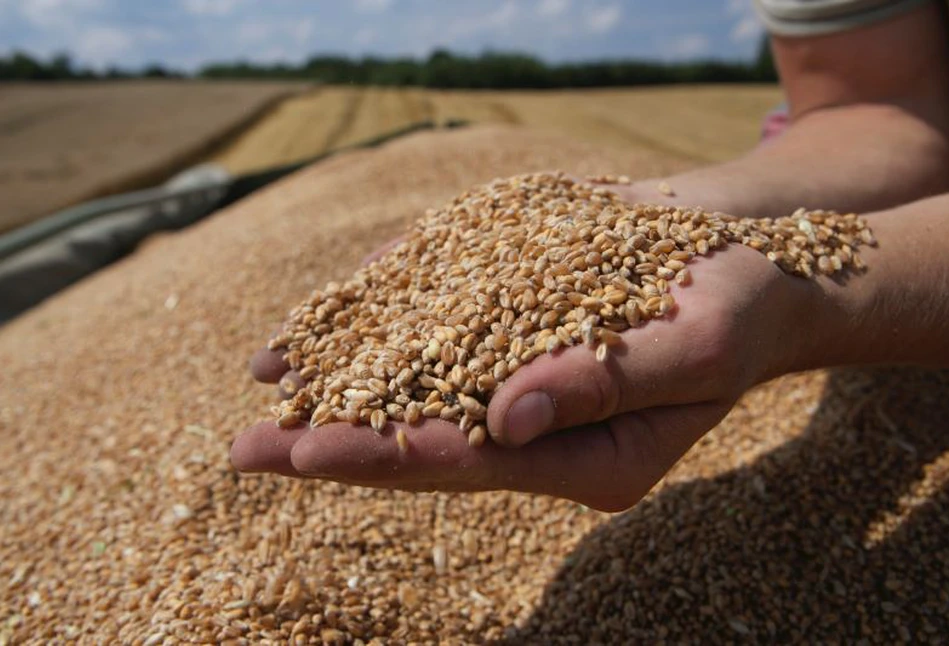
870 126
851 159
897 311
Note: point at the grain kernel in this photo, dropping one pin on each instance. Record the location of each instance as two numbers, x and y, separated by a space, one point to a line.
610 338
602 352
288 419
378 420
472 406
477 435
433 409
403 441
413 412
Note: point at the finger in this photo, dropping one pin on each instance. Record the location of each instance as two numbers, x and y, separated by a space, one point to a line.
646 444
652 366
383 250
435 451
268 366
265 447
289 384
607 466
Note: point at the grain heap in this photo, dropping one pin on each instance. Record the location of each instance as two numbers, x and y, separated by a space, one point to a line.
504 273
816 511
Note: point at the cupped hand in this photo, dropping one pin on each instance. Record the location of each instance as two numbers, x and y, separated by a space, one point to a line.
565 424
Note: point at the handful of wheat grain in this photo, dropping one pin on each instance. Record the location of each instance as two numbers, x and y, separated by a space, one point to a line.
506 272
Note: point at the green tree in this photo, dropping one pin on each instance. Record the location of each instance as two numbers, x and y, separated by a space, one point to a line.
764 65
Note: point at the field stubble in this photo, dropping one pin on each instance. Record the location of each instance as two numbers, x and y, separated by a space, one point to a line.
61 143
67 142
691 123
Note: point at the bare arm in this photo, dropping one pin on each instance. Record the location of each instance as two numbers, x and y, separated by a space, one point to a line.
898 311
870 126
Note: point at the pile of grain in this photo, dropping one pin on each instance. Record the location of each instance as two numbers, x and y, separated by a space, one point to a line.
816 511
502 274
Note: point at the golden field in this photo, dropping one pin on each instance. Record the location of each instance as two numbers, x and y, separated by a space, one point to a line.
694 123
62 143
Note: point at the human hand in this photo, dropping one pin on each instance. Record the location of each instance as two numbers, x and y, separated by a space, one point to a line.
611 430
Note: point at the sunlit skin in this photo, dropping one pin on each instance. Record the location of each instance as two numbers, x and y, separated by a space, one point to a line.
616 428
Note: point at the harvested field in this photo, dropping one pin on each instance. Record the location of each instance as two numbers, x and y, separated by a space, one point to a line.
693 123
63 143
330 118
815 512
698 123
300 127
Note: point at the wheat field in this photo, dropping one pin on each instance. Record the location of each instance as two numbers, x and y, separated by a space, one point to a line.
62 143
66 142
693 123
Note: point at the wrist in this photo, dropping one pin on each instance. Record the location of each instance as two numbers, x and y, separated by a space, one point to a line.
892 312
799 339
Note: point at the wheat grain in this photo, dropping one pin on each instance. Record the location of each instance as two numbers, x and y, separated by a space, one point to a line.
402 440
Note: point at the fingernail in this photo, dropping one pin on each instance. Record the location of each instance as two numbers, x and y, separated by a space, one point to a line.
528 417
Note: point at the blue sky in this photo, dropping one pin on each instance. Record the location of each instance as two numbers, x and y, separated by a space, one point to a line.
187 33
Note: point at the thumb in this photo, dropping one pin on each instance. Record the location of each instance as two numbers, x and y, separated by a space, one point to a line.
570 388
554 392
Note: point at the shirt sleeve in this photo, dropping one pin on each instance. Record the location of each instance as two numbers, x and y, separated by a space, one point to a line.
816 17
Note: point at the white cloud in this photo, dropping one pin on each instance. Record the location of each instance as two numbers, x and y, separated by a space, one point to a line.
253 32
500 19
100 45
56 14
302 30
738 6
372 6
747 26
552 8
687 46
603 19
364 36
210 7
270 38
61 5
503 17
152 35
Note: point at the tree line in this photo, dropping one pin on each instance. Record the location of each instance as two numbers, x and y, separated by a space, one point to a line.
20 66
442 69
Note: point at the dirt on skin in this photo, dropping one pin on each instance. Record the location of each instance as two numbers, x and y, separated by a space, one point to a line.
817 511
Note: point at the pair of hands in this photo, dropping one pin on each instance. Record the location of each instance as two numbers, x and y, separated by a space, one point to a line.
601 434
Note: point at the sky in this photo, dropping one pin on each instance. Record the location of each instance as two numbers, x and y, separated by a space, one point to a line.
186 34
